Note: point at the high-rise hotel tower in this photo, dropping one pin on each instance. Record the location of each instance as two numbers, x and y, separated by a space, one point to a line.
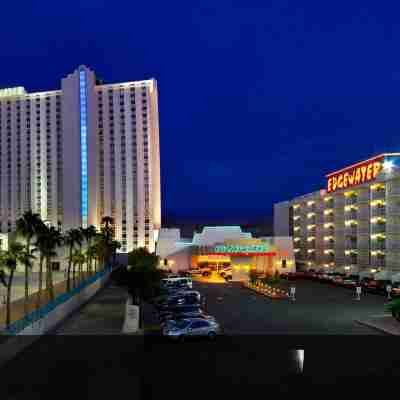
83 152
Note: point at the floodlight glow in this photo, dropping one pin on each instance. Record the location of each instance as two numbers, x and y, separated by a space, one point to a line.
388 166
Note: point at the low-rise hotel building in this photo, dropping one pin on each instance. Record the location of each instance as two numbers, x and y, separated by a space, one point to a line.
217 246
352 225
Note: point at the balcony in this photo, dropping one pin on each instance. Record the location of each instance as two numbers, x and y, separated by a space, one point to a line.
329 244
378 211
378 191
350 244
351 215
378 245
329 218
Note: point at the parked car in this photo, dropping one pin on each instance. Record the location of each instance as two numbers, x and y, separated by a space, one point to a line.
179 298
192 327
195 271
288 275
171 318
338 279
228 276
190 300
350 281
395 289
300 274
377 286
179 309
225 271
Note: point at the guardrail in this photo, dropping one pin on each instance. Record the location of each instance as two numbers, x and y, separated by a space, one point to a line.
34 316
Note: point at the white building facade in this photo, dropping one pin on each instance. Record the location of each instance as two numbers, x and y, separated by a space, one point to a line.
353 225
81 153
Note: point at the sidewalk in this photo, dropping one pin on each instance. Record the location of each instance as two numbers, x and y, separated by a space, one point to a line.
103 315
384 323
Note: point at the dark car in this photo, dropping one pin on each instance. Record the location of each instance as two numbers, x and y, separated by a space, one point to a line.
198 313
395 289
351 281
377 286
290 276
180 309
189 300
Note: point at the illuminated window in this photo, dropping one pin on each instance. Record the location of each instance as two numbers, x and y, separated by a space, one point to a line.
309 227
328 198
380 203
349 194
351 208
326 238
296 217
329 225
296 206
311 202
378 236
350 222
328 211
297 239
311 214
378 220
311 238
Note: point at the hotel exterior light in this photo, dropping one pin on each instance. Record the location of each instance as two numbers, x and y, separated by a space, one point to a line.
347 268
373 270
388 166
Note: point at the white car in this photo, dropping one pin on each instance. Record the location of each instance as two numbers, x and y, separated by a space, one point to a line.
195 271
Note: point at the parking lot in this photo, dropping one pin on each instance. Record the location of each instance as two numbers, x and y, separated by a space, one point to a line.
319 309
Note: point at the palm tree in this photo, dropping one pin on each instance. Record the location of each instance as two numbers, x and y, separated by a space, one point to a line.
50 239
89 233
27 227
71 238
10 259
91 254
108 229
78 259
115 245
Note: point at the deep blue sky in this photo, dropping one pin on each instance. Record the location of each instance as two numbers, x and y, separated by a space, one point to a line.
258 100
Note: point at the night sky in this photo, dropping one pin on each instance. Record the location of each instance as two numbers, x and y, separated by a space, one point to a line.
258 100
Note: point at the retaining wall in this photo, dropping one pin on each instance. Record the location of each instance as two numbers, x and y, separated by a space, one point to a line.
29 329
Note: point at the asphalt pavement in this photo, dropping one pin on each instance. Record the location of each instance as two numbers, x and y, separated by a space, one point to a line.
319 309
257 356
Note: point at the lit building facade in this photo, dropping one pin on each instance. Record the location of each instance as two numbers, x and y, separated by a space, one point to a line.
83 152
353 225
218 246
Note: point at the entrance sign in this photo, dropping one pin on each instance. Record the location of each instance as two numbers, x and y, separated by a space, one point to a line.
251 250
355 175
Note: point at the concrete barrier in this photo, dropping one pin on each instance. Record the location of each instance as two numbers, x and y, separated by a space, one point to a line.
26 331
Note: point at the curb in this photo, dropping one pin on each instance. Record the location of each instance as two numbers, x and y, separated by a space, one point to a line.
281 297
372 325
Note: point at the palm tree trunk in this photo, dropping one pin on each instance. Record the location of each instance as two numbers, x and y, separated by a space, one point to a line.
39 293
28 245
8 306
69 269
73 275
51 288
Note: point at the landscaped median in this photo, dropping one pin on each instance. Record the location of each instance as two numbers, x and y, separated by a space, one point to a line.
267 290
